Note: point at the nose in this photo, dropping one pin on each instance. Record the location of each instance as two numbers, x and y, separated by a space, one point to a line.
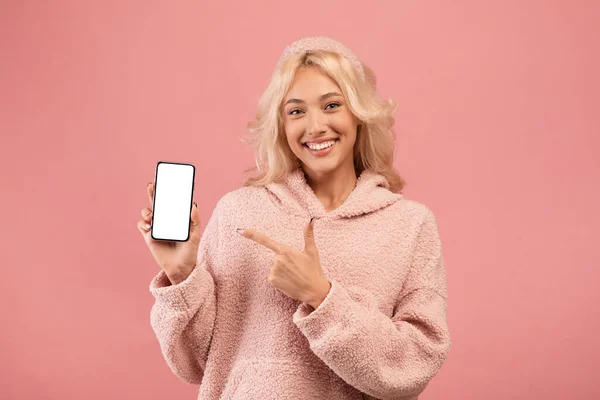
316 124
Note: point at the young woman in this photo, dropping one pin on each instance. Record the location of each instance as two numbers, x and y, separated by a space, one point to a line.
317 279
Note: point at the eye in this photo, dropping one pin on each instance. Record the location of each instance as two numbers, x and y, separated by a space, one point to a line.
333 104
292 112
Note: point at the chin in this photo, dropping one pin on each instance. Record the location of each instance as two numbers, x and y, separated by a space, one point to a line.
323 168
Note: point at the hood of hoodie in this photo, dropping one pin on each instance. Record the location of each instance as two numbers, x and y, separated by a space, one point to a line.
294 196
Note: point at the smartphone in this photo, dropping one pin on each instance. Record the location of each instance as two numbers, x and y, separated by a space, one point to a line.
172 204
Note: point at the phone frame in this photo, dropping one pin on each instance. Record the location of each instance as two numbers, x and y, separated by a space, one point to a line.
154 200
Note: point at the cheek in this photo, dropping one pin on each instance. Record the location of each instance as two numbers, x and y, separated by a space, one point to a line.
293 134
344 124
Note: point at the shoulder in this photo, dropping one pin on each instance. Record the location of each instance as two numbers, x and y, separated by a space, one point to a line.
413 210
413 218
239 200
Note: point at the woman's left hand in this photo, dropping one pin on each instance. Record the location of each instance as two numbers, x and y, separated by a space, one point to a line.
297 274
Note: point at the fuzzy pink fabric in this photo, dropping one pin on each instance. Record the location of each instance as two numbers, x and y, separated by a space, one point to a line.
381 333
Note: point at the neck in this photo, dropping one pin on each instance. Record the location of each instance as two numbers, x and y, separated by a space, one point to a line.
332 188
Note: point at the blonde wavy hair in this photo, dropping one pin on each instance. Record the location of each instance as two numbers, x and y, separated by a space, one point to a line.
375 142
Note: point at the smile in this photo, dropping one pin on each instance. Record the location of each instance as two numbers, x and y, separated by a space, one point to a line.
321 149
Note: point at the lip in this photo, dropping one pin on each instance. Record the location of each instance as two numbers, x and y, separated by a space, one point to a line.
317 141
323 152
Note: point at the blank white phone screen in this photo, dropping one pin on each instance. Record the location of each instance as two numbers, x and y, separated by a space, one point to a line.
172 201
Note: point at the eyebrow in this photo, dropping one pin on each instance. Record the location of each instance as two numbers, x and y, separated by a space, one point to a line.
323 97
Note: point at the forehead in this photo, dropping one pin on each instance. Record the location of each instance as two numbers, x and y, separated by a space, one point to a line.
309 84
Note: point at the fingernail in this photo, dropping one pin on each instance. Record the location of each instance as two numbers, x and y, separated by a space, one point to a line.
147 226
148 213
240 231
149 183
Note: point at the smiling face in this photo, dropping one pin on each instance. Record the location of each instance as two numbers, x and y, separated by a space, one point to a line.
319 127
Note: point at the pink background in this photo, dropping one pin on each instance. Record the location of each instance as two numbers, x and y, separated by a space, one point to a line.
498 130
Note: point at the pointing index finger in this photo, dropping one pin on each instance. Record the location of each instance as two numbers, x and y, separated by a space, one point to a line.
263 240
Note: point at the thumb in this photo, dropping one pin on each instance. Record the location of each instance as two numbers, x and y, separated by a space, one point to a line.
310 247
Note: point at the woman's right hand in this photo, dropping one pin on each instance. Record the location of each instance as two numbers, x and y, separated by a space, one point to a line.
177 259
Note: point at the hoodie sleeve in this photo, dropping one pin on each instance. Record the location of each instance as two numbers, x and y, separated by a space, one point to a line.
387 358
183 315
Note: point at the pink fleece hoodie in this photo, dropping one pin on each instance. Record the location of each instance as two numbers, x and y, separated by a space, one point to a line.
380 333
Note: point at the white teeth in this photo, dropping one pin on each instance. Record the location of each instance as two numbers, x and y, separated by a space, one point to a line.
321 146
